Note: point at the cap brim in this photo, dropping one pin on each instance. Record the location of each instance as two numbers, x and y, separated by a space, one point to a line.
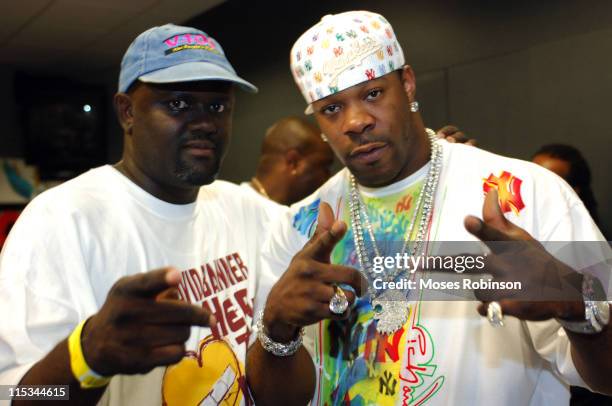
195 71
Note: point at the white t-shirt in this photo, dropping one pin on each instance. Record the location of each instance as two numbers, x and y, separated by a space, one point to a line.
74 241
248 188
446 353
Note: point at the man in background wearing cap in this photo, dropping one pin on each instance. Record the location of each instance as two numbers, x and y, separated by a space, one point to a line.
90 273
402 188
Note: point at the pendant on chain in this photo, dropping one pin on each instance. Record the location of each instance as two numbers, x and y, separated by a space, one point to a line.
391 311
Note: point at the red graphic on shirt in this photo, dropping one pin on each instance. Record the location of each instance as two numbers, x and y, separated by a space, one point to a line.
508 189
404 204
386 346
211 285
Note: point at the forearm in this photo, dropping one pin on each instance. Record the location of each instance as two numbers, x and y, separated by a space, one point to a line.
592 356
54 369
280 380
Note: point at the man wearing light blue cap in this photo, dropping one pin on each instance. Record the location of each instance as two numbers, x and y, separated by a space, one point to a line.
92 269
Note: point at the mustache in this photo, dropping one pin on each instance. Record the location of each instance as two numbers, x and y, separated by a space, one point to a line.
364 139
198 136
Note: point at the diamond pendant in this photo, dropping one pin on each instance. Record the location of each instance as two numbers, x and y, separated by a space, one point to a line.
391 310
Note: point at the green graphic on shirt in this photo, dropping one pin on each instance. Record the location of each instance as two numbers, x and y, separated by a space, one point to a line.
358 365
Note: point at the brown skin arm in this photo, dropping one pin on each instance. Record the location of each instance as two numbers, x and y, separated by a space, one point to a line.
54 369
592 356
140 326
528 262
280 380
300 298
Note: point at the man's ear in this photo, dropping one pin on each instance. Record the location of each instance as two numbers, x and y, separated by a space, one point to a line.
409 82
124 109
292 160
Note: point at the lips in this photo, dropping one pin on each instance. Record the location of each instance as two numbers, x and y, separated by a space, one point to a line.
200 148
368 153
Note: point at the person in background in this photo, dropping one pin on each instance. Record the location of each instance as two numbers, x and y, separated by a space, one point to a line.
453 134
294 161
567 162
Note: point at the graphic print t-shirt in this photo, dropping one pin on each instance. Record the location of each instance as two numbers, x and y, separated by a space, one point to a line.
74 241
445 350
361 366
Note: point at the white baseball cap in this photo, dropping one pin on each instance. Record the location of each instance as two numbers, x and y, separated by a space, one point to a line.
341 51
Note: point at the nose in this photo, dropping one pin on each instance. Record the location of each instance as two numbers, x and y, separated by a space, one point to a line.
202 122
358 120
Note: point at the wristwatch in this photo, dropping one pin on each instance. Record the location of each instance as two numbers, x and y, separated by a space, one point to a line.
596 308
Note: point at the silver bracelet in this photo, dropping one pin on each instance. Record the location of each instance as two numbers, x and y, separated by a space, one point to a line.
278 349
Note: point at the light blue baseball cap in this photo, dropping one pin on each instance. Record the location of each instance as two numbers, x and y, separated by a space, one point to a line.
172 53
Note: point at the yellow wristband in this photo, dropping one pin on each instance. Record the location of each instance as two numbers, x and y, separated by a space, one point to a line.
81 371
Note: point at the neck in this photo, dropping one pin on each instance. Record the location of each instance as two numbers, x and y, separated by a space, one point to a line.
419 150
274 190
166 193
418 157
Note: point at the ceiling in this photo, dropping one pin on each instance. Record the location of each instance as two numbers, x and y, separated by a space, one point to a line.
62 36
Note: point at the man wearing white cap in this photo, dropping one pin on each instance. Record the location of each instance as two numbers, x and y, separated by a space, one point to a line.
90 274
400 193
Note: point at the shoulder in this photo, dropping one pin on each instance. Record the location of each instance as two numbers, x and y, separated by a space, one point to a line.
228 191
234 197
303 215
486 167
328 192
85 192
530 195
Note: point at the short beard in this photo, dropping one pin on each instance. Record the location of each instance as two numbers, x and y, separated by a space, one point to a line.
188 174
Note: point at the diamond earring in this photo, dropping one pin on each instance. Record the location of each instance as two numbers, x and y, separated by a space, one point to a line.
324 137
414 106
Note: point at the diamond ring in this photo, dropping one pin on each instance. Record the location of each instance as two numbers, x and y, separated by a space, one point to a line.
495 314
338 303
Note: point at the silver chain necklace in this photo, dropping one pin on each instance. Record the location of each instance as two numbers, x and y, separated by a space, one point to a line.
391 307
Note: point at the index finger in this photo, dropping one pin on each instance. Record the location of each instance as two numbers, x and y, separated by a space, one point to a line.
179 313
148 284
344 275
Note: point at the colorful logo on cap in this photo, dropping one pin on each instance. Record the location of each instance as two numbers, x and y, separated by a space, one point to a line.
508 189
185 41
343 50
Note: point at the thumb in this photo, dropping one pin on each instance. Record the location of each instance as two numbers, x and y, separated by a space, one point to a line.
491 211
326 235
325 219
494 226
491 227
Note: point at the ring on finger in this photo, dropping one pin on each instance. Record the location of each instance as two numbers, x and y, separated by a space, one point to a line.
495 315
338 302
